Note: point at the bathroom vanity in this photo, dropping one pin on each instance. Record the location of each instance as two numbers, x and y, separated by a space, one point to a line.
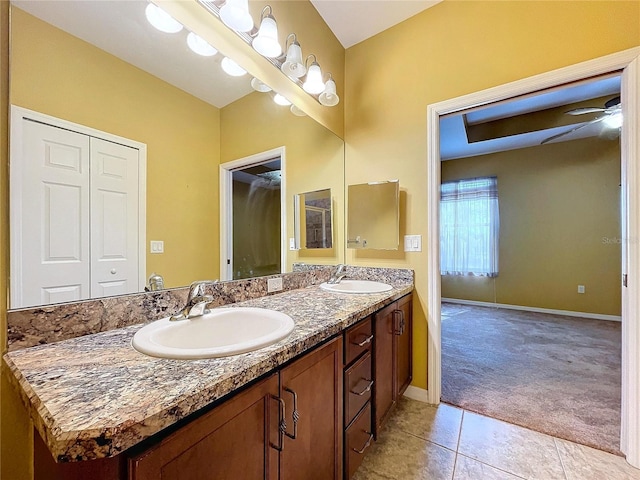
305 407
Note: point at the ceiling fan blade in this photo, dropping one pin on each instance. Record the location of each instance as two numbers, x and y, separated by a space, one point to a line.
582 111
575 129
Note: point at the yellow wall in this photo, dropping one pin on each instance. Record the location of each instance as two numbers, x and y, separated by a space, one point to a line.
559 227
50 74
451 49
314 160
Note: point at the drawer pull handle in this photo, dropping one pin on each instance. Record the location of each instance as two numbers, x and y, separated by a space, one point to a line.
365 389
295 415
364 342
282 424
366 445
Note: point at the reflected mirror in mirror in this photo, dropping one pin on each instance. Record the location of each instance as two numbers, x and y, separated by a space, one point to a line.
373 218
313 219
103 66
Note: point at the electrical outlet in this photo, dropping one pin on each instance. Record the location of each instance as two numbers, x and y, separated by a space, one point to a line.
157 246
580 288
274 284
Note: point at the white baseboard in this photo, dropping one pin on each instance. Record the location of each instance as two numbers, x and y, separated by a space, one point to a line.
416 393
568 313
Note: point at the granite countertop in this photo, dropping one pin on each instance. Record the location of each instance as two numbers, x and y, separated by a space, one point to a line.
95 396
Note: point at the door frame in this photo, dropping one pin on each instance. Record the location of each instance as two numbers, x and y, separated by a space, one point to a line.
15 188
627 61
226 206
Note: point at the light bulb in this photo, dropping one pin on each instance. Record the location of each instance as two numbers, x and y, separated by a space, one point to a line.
313 83
161 19
260 86
266 42
329 97
280 100
235 15
293 66
232 68
200 46
297 111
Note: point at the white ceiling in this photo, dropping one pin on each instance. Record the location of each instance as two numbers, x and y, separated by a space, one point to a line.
353 21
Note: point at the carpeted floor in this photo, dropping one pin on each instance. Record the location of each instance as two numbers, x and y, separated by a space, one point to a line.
554 374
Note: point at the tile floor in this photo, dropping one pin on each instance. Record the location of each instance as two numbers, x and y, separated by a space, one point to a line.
421 441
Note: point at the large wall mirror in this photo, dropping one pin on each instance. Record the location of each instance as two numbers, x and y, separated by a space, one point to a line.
103 66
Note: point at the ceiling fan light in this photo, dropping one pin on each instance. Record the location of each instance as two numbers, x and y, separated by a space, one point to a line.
329 97
613 121
280 100
200 46
313 83
293 66
161 19
266 42
235 15
260 86
232 68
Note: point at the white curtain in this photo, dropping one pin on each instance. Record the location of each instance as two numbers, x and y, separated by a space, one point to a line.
469 227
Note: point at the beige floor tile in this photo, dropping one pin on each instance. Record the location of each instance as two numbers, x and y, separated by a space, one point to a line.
438 424
510 448
584 463
401 456
469 469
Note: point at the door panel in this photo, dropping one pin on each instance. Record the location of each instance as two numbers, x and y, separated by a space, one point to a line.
114 219
54 204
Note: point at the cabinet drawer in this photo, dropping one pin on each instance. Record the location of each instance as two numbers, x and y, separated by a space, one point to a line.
358 438
358 382
357 340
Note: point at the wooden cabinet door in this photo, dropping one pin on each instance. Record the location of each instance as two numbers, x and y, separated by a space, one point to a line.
404 339
230 442
385 353
312 386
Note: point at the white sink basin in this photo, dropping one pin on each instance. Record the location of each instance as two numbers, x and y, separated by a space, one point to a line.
223 332
356 286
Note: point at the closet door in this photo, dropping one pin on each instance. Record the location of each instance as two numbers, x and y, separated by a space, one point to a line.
52 263
114 219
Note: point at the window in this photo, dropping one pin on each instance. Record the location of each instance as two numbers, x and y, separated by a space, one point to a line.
469 227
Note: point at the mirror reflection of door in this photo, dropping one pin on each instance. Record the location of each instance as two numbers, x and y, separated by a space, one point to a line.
256 220
318 221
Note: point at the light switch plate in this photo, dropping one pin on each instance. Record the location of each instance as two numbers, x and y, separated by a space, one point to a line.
413 243
274 284
157 246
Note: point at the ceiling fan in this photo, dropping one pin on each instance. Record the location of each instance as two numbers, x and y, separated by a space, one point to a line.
611 119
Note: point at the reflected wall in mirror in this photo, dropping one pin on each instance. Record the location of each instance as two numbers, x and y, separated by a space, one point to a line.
58 74
313 219
374 215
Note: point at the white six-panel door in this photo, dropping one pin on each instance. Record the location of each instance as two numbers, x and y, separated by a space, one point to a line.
76 231
114 218
55 216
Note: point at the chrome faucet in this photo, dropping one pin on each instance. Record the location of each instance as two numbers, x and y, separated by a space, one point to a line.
339 274
196 302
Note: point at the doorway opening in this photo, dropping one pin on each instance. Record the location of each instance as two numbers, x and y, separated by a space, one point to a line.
253 211
628 62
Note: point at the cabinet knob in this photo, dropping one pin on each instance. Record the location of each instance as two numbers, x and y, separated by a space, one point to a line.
113 271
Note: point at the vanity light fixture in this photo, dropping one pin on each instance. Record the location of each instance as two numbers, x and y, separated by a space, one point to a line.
293 66
232 68
260 86
313 83
280 100
329 97
235 15
161 19
266 42
200 46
